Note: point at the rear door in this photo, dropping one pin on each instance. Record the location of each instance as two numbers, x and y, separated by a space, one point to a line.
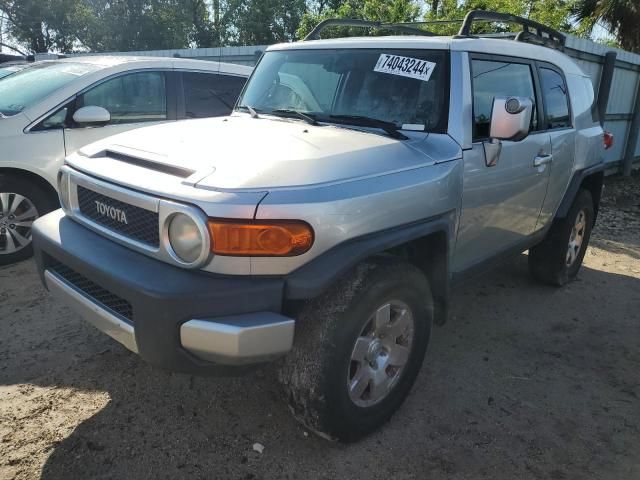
501 203
208 94
134 100
558 123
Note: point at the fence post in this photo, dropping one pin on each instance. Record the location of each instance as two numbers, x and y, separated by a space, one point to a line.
632 138
606 77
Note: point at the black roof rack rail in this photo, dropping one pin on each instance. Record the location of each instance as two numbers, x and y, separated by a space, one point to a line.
553 37
343 22
532 31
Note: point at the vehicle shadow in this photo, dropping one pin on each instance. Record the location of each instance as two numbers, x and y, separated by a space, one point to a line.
524 381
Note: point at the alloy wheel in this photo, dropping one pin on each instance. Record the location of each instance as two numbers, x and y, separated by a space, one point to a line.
577 238
17 214
380 354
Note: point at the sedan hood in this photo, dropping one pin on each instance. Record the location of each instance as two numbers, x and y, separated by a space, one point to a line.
244 153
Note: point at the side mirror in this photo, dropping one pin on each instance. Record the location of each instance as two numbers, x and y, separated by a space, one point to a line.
510 118
91 115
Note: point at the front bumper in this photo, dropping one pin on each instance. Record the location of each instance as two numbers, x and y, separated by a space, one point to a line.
177 319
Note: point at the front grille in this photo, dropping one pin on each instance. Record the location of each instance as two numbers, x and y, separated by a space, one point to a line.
140 225
95 292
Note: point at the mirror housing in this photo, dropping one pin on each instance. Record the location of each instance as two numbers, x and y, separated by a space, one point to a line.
92 115
511 118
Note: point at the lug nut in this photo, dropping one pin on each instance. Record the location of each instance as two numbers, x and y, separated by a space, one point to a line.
11 217
12 226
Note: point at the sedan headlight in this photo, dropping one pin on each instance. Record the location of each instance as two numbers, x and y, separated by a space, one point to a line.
185 238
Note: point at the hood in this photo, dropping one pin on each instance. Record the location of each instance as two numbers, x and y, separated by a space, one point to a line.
244 153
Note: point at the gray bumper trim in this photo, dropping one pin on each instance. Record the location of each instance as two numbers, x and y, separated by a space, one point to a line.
97 316
239 339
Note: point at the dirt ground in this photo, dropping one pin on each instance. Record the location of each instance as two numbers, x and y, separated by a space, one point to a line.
525 381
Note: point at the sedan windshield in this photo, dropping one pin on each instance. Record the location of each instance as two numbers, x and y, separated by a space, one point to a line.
27 87
373 87
10 70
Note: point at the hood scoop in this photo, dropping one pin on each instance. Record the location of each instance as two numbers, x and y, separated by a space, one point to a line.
148 164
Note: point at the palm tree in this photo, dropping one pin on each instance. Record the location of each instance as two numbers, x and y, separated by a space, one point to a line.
620 17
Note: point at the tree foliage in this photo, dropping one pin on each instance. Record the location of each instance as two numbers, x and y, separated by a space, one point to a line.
376 10
620 17
44 25
260 22
125 25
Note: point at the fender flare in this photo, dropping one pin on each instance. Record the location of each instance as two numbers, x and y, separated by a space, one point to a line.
574 185
315 277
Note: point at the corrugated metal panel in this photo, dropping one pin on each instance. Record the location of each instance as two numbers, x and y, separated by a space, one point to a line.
622 91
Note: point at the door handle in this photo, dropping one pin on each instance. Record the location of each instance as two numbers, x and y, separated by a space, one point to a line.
542 160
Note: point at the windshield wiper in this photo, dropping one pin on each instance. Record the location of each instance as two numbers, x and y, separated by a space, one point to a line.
252 111
310 119
391 128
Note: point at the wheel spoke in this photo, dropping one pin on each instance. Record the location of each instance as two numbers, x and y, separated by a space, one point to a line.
31 213
10 246
398 355
360 349
21 240
382 318
4 201
401 324
571 254
17 200
27 224
360 382
380 388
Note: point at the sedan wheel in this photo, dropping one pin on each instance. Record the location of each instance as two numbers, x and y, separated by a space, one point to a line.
17 214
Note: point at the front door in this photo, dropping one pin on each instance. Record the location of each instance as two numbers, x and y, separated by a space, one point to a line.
134 100
501 203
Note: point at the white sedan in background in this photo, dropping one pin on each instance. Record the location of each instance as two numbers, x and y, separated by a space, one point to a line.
53 108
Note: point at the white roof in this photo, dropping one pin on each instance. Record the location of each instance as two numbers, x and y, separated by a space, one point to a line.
494 46
107 61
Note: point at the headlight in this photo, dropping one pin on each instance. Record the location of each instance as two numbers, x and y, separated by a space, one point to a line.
63 189
185 238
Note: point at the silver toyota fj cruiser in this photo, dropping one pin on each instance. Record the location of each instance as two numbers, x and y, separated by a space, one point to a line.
324 222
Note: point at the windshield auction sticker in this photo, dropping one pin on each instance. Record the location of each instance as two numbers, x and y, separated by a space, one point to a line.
405 67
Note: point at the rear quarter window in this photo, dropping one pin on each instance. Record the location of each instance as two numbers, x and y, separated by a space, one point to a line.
556 99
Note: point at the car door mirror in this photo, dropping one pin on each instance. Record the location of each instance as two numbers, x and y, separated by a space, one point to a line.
92 115
511 118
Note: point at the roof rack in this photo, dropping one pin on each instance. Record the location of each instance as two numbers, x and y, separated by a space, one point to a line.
532 31
553 37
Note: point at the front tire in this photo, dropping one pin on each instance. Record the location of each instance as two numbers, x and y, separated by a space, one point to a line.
21 203
559 257
358 349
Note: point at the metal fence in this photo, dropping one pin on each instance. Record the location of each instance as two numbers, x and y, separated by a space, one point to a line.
622 116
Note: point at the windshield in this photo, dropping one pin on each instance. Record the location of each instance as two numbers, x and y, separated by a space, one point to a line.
27 87
6 71
406 88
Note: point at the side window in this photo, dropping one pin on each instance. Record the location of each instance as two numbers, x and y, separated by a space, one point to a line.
497 79
132 98
210 95
56 120
556 106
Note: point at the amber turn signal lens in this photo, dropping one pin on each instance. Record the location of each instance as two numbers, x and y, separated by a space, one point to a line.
285 238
